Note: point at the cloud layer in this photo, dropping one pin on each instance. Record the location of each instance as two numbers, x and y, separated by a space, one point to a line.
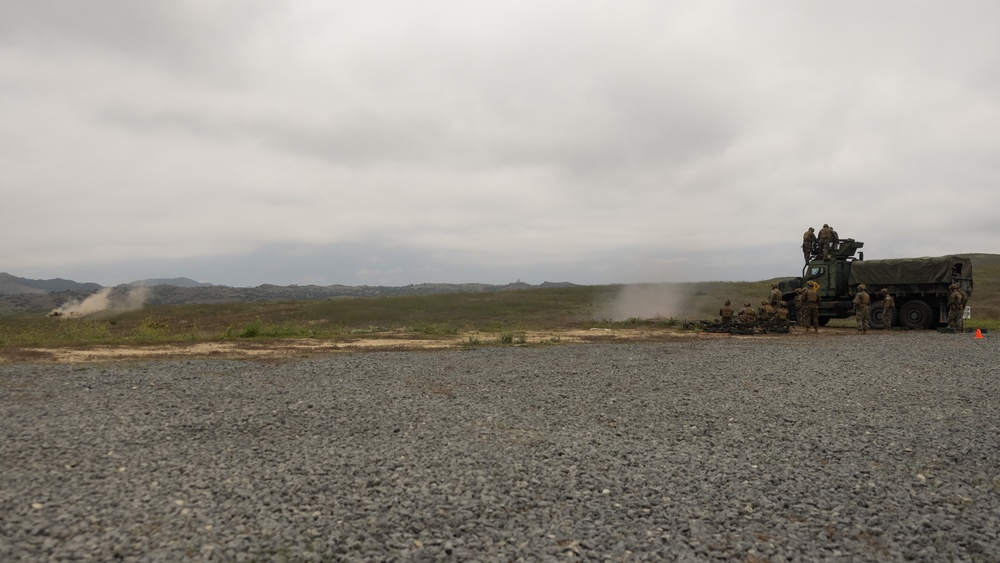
395 142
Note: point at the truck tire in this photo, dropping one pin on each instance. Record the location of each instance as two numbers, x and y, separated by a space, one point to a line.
916 314
875 315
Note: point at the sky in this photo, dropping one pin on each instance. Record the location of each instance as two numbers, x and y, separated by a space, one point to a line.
248 142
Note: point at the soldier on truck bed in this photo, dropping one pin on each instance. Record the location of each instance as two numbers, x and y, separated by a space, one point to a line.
809 244
828 238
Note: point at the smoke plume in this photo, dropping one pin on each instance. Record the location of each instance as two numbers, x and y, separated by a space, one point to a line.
645 301
107 299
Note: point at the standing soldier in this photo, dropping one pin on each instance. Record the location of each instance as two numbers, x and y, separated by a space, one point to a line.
726 312
808 243
888 308
965 301
810 306
955 308
862 301
800 316
825 240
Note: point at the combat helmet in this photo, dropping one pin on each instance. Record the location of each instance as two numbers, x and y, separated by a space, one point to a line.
861 287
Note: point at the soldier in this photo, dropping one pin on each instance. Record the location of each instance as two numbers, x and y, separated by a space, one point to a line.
800 316
781 313
808 243
747 314
726 312
888 308
765 312
955 308
810 306
825 240
862 301
965 301
775 295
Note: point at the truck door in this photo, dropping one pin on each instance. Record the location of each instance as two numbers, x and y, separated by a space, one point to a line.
821 275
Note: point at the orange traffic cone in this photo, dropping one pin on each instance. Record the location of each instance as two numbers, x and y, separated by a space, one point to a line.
979 333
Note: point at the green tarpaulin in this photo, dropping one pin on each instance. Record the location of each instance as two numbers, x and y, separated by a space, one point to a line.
910 270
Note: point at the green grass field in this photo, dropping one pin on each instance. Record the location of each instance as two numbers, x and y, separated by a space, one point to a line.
501 313
430 315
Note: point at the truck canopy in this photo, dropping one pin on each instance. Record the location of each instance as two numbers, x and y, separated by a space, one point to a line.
942 269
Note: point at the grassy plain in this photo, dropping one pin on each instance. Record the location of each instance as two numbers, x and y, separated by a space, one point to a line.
501 314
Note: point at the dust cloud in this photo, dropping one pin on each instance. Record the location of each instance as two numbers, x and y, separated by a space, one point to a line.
107 299
645 301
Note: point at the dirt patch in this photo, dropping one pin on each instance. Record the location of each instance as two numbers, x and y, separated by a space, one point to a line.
286 348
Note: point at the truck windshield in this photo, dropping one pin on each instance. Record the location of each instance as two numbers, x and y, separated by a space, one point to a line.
816 271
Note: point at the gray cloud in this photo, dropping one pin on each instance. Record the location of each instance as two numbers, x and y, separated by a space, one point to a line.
639 142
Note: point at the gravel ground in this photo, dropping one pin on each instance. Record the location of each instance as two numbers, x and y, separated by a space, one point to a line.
796 447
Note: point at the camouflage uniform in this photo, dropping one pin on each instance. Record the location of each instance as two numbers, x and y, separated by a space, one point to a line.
775 296
825 240
781 313
965 301
800 316
808 244
862 303
726 312
888 309
810 306
765 312
955 309
747 314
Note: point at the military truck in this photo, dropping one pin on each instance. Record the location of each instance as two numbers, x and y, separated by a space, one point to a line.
920 286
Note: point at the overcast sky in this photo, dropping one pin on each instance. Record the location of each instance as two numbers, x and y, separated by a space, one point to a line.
393 142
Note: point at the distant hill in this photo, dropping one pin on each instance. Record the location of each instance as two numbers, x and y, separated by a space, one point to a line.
176 282
13 285
184 291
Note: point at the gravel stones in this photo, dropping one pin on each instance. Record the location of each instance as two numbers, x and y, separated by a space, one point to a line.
793 447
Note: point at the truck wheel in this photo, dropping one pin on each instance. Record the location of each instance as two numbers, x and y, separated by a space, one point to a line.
875 315
916 314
